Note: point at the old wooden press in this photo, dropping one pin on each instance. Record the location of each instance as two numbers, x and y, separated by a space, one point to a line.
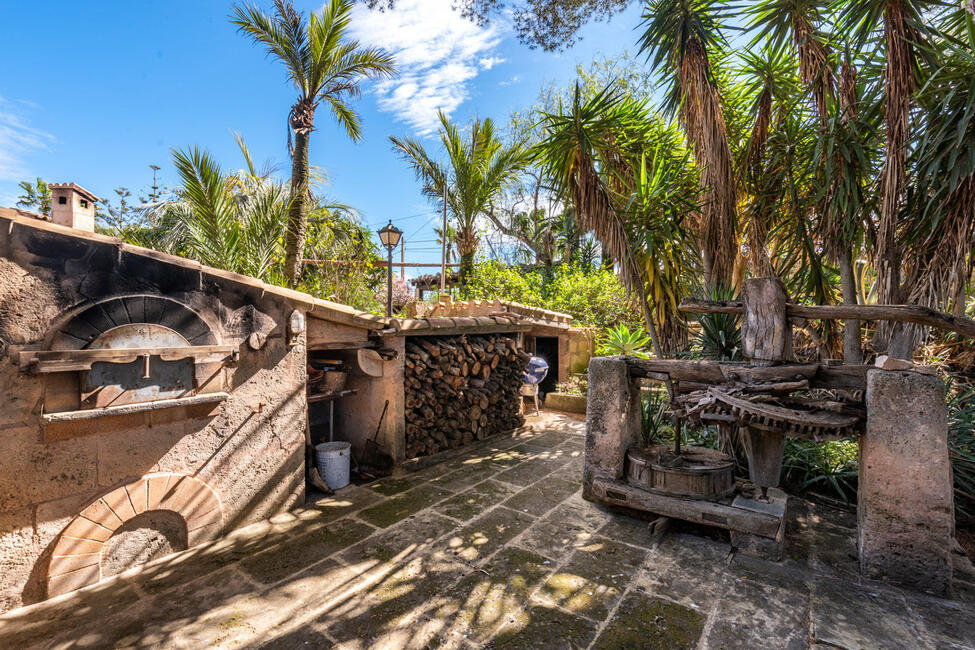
762 400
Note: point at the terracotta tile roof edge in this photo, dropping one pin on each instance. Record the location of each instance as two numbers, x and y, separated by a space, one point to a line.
312 304
471 323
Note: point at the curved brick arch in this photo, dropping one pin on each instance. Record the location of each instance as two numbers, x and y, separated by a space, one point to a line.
86 323
76 559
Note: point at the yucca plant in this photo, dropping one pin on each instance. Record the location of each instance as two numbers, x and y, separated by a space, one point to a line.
655 427
683 38
719 336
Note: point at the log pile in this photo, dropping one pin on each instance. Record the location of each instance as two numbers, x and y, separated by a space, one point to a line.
460 389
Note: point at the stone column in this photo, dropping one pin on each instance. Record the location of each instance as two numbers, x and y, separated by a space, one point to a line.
905 509
612 419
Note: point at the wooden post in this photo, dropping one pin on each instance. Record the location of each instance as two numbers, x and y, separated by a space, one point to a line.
766 335
766 339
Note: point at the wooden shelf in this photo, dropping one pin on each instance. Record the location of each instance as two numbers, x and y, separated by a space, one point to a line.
74 360
323 397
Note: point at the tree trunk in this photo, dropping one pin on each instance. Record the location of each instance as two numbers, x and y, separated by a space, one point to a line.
852 347
898 86
294 237
466 268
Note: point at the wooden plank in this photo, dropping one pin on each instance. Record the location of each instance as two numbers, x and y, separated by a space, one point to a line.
709 513
72 360
916 314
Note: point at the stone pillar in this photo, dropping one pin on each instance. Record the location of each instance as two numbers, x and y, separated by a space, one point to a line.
905 509
612 419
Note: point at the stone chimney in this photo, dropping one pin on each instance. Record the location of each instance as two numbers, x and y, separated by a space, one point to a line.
73 206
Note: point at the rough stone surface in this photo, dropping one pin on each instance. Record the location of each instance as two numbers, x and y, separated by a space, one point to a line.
612 418
574 575
249 449
905 496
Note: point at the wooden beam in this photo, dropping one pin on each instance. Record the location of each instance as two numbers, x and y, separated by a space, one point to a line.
127 409
710 513
74 360
901 313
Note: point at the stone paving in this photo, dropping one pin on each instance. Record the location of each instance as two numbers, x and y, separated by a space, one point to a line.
496 549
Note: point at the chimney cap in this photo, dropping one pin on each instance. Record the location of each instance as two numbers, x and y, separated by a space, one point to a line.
77 188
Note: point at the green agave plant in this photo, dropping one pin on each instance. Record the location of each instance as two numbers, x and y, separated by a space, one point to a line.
623 340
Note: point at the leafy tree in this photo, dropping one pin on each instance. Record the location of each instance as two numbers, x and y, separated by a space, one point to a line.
324 66
35 195
478 168
551 25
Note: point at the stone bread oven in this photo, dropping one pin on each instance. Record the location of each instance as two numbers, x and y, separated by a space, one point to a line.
147 404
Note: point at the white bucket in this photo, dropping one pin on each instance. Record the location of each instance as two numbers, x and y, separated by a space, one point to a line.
332 459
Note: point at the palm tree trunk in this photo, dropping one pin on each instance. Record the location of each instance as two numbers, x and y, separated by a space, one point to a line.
852 350
897 90
294 238
466 268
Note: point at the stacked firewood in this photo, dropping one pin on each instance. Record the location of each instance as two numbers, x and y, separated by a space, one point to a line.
460 389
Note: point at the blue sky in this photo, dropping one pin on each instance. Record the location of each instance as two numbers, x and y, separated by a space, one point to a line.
95 91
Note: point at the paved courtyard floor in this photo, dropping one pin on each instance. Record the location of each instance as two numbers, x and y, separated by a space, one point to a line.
495 549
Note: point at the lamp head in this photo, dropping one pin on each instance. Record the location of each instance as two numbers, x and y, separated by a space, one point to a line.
390 235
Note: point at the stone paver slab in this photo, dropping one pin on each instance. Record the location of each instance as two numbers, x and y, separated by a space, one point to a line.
296 553
475 501
483 536
544 627
541 497
403 505
652 623
409 536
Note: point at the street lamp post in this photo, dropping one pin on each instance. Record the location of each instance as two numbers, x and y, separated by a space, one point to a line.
390 236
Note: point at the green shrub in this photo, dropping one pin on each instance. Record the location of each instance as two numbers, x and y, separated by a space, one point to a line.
961 448
593 297
493 280
829 468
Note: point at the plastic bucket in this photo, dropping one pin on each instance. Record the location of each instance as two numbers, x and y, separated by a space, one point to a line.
332 459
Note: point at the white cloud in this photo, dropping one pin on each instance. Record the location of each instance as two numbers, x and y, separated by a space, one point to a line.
515 79
438 52
17 137
489 62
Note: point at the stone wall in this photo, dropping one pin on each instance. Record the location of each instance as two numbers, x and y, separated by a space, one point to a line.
241 459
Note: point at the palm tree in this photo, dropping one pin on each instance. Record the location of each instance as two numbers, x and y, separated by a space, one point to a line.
941 243
324 66
902 25
478 168
683 36
575 140
219 223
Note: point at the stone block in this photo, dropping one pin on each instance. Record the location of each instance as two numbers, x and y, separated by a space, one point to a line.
612 419
905 507
765 548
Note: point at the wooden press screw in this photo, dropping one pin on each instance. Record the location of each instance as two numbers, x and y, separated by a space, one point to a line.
145 366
